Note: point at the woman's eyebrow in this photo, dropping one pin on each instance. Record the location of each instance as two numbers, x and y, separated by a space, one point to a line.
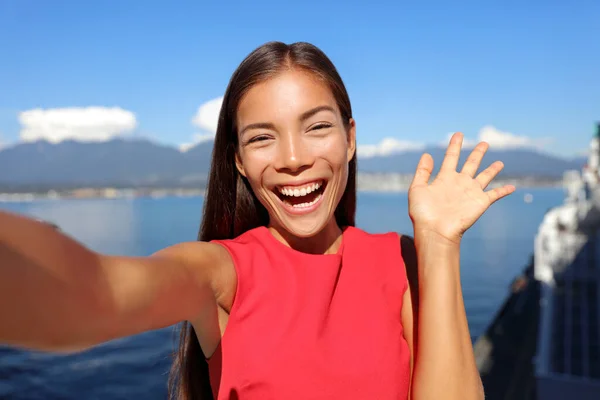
307 114
258 125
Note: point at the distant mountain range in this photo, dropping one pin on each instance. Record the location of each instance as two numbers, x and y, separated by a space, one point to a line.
142 163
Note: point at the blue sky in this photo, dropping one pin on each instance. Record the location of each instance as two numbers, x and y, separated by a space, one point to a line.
414 72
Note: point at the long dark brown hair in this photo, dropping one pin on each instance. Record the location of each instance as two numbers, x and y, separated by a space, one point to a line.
230 206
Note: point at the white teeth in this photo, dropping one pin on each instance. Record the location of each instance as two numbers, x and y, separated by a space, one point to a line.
295 192
304 205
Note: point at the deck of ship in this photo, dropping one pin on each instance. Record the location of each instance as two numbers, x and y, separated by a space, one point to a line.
504 353
545 341
568 361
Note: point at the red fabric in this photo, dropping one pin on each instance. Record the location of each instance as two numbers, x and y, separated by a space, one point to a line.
308 326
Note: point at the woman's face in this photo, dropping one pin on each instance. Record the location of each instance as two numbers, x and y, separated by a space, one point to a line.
294 149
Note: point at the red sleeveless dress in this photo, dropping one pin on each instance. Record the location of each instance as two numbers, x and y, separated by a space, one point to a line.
306 326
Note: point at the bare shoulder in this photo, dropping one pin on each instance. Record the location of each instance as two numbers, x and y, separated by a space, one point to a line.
198 253
211 264
208 262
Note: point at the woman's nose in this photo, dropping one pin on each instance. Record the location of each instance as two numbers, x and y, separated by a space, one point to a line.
294 154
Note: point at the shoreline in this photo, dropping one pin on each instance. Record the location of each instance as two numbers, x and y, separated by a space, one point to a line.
108 193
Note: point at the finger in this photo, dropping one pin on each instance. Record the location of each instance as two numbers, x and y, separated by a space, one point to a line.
496 194
474 161
423 172
486 176
452 153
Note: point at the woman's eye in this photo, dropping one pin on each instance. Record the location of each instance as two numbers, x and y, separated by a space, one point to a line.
258 138
321 126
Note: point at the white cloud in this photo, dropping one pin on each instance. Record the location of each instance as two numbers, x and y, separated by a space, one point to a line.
498 139
207 119
196 139
207 116
386 147
85 124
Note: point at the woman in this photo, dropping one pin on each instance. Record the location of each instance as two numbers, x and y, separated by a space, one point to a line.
283 296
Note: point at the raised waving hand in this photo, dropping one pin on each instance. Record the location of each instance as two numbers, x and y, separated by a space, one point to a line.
454 200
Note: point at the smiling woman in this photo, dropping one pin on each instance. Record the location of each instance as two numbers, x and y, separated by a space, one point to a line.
281 296
298 147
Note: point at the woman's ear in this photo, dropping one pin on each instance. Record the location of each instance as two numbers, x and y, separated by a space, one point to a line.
238 165
351 138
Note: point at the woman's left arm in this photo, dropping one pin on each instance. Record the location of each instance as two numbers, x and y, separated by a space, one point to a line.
434 318
435 325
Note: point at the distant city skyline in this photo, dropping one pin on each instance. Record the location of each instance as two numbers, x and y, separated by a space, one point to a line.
514 75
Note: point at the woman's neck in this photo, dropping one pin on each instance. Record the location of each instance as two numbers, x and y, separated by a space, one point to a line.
327 241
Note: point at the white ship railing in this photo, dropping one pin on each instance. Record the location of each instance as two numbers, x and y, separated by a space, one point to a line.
567 264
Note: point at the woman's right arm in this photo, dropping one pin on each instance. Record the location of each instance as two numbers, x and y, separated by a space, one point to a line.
57 295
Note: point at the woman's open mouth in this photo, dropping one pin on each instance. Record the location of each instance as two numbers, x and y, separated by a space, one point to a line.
301 199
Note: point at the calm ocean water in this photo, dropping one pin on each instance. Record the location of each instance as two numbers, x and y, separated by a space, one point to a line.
496 248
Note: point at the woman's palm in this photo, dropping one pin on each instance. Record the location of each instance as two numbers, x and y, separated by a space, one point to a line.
452 203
